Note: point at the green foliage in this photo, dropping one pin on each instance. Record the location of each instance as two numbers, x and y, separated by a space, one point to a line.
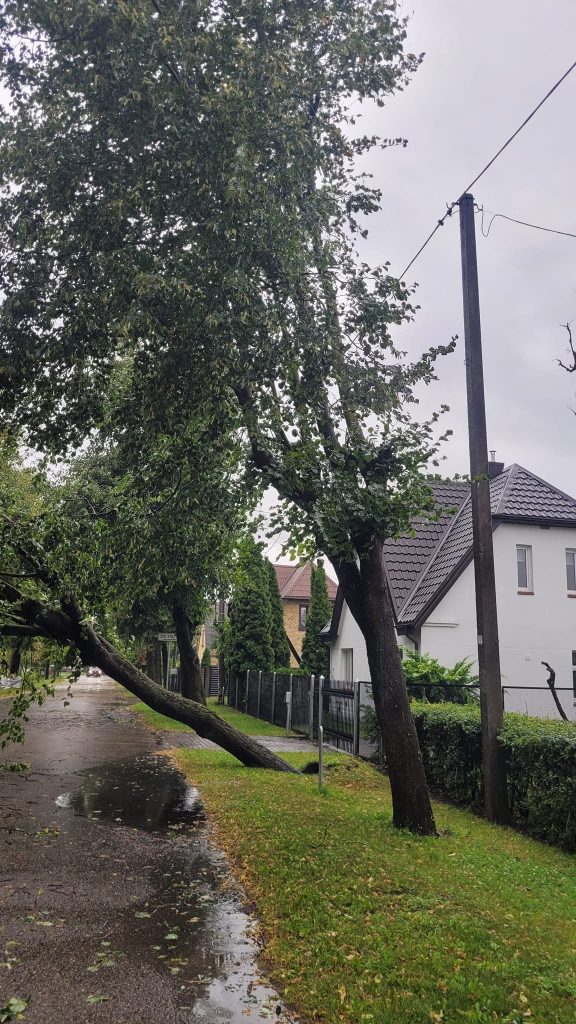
250 617
13 1009
32 691
279 638
206 659
540 766
428 680
315 655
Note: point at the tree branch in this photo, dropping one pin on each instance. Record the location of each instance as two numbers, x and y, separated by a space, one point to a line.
568 368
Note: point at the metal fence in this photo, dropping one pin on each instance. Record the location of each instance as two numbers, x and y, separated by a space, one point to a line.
302 703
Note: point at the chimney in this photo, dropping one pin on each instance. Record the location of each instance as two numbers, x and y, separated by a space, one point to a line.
494 468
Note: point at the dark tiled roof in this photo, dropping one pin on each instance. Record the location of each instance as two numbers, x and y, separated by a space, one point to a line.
294 582
406 557
526 496
516 494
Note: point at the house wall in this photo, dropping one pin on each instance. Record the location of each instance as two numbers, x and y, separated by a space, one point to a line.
296 635
532 629
350 638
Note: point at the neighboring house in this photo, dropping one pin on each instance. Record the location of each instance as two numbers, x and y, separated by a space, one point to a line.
431 579
294 584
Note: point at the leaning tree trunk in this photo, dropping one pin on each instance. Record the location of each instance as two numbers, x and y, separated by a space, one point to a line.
368 598
67 626
190 670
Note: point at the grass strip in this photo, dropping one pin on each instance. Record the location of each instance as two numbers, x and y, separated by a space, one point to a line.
245 723
366 923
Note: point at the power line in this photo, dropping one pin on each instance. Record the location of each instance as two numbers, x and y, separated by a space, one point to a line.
487 166
514 220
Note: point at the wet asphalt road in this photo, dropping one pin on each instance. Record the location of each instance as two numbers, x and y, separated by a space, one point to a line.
114 907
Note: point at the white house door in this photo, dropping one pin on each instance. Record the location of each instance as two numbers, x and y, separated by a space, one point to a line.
348 664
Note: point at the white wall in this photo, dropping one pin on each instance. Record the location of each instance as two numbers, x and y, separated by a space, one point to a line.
349 636
532 629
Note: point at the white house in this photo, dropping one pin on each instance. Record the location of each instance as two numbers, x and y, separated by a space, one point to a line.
431 579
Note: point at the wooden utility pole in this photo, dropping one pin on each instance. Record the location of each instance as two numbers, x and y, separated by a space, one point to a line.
491 703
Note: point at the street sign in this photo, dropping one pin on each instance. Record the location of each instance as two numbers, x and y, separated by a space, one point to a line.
167 638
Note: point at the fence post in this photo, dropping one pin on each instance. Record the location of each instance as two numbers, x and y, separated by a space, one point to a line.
245 702
356 734
320 708
259 692
273 697
320 756
289 707
311 708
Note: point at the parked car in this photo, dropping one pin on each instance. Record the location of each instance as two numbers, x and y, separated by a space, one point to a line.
93 671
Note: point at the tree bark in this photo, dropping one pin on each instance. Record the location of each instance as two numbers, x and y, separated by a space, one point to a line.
552 684
16 658
66 627
190 671
366 592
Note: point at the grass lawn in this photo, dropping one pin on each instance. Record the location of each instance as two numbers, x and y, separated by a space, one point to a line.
365 923
246 724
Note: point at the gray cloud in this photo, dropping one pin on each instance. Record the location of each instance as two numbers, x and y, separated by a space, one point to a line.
486 66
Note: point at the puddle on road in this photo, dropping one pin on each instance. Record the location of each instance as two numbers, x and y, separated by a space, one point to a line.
143 792
191 929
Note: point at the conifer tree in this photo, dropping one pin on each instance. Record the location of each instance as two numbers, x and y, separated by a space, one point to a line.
314 651
279 639
250 615
206 658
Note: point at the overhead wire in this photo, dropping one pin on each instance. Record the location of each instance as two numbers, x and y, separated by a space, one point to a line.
486 167
514 220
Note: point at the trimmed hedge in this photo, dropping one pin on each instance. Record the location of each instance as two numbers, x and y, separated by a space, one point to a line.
540 766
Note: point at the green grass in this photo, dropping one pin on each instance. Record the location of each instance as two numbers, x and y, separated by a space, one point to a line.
245 723
366 923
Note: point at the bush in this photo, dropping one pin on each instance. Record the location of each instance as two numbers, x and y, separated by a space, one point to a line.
540 766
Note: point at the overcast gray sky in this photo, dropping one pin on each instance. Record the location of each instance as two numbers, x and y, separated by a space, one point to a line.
486 66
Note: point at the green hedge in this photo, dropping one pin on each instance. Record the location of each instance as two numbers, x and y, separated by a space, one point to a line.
540 765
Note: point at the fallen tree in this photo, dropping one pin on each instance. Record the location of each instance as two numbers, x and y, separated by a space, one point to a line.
67 627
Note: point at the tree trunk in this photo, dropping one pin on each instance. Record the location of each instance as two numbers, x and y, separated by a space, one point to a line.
16 658
66 626
367 595
94 650
190 671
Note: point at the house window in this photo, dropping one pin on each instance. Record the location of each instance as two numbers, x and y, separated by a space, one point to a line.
571 569
524 567
348 664
302 613
574 673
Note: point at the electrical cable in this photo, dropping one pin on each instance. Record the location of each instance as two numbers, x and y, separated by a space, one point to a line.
487 166
514 220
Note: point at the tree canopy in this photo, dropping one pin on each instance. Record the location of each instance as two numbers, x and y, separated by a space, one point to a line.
180 188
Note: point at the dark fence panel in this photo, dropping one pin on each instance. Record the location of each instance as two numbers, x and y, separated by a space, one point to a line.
282 687
266 696
253 694
301 703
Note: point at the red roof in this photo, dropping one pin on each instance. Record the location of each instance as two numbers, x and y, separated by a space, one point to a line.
294 582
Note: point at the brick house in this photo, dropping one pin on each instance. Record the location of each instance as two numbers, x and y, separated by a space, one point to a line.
294 585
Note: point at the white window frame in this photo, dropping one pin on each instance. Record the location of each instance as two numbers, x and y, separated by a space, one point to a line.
570 551
529 588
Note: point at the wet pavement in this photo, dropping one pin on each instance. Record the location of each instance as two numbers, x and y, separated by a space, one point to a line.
114 906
